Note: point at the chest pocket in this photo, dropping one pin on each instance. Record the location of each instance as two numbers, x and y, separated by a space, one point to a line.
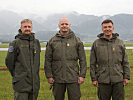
57 45
71 50
57 49
24 49
117 53
102 53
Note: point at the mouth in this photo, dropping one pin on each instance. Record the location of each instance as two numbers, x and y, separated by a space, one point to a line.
108 31
64 28
27 30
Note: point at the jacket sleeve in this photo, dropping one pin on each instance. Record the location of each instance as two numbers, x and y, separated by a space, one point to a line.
48 61
82 59
125 64
93 63
11 58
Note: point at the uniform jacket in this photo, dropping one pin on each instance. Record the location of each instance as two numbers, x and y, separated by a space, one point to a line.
23 62
108 60
61 58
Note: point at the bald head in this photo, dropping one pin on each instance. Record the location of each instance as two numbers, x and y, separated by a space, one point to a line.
64 20
64 26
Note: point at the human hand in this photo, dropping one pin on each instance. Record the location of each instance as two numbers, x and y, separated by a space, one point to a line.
81 80
125 82
50 80
95 83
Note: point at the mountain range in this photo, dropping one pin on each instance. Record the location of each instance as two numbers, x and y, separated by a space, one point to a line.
87 27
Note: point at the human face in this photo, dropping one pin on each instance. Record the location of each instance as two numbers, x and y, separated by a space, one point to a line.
64 25
107 29
26 27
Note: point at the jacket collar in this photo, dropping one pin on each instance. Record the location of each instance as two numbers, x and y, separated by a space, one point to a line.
71 33
22 36
114 36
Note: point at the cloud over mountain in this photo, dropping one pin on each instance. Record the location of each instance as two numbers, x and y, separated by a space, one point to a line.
87 27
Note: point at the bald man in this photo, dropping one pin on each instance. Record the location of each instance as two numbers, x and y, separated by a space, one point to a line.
62 68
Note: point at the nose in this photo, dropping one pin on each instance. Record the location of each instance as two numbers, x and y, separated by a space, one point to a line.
27 27
107 28
64 25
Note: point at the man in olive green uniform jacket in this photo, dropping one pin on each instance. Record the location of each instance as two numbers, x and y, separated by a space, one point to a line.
109 66
23 62
61 63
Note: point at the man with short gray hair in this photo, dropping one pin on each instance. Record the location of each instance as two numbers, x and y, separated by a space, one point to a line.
23 62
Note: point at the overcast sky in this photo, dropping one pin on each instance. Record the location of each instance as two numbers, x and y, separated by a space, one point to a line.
90 7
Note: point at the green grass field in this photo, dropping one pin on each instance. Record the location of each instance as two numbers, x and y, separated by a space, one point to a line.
89 92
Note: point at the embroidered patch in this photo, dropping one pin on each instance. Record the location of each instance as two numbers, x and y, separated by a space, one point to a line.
68 44
91 47
10 49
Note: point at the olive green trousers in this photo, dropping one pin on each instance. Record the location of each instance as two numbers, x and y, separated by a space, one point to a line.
112 90
73 90
25 96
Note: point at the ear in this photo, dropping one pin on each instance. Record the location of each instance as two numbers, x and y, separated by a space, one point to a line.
59 26
102 28
20 27
113 28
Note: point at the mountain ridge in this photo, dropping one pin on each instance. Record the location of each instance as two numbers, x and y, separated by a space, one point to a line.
87 27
